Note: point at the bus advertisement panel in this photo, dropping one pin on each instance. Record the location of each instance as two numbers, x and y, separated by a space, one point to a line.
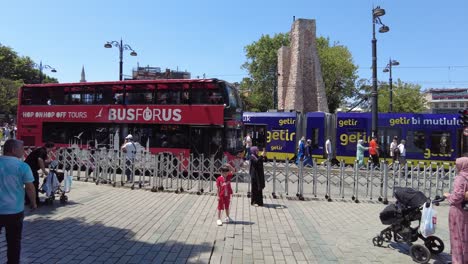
274 132
428 136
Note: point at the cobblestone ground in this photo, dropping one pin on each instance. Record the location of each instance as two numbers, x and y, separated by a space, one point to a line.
102 224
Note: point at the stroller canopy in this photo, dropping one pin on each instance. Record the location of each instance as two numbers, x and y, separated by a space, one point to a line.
410 197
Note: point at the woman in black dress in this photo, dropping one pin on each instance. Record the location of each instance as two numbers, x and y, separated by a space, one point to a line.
257 177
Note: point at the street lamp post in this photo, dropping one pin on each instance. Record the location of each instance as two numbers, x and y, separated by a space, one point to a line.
121 48
41 68
377 12
388 69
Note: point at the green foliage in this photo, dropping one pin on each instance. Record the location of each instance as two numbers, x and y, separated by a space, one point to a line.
9 96
407 98
14 72
262 60
338 70
14 67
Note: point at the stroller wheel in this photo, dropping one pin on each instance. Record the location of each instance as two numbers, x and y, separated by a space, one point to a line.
387 236
420 253
378 241
434 244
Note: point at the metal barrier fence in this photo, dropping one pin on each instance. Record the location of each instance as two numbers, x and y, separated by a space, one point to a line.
167 172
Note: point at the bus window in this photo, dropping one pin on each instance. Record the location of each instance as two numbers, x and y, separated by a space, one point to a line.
56 96
415 141
171 136
200 96
139 93
440 142
233 140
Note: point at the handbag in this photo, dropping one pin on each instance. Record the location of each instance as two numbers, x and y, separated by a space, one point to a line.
428 222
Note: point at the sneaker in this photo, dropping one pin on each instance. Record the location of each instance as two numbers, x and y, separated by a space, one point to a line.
219 222
228 220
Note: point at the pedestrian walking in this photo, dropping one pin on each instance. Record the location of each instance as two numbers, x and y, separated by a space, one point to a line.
247 146
257 176
223 184
402 154
329 149
300 150
129 148
308 153
458 213
374 152
38 160
393 146
360 153
15 177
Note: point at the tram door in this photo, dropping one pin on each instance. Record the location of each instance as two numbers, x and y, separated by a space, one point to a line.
386 135
258 134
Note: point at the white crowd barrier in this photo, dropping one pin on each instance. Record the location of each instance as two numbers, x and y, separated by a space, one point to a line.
168 172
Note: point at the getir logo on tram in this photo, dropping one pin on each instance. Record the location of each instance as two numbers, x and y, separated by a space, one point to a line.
146 114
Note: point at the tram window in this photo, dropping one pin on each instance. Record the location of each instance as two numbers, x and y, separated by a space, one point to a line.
415 141
440 142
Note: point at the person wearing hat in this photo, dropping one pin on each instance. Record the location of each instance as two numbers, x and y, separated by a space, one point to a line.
129 149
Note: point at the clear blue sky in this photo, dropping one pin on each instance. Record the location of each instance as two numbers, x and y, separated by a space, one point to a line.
428 38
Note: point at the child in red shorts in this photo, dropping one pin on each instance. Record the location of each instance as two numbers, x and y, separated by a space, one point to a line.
223 183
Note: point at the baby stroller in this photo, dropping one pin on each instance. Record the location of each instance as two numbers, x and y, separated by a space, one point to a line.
400 215
52 185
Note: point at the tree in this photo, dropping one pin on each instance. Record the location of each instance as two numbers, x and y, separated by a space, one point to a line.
262 61
338 70
407 98
14 67
9 96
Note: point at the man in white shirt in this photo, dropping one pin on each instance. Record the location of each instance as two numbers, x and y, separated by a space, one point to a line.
329 149
393 146
402 148
248 145
129 148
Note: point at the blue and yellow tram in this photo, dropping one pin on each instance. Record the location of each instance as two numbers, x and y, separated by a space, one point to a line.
429 137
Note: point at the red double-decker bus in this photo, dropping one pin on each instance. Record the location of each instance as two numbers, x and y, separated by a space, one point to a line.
179 116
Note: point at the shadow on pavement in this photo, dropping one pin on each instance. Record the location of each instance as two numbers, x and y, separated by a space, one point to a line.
403 248
241 223
74 240
275 206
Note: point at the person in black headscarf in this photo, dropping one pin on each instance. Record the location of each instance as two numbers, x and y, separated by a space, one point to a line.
257 176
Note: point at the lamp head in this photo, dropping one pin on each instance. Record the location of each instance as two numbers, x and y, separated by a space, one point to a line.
395 63
386 70
133 53
53 70
107 45
384 29
377 12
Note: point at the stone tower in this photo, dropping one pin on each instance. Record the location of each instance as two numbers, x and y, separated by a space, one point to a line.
300 82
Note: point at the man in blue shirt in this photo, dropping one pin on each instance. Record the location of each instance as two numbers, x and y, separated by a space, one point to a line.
15 177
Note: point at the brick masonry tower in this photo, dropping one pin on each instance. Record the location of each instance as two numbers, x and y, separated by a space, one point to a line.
300 82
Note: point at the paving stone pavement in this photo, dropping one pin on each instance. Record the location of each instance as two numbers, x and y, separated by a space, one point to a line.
102 224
